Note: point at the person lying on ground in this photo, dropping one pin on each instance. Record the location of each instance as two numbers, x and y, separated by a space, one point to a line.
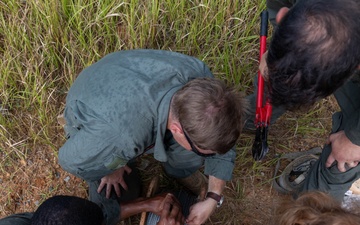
71 210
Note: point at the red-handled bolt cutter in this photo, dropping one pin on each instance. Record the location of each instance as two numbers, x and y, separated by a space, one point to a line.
263 111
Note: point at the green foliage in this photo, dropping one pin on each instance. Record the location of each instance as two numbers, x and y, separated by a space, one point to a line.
45 44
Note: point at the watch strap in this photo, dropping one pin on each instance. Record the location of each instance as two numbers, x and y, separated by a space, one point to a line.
214 196
218 198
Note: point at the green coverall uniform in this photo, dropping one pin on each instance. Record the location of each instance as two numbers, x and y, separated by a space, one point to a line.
118 107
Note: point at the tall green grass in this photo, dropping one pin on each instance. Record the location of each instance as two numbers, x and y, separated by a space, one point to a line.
44 45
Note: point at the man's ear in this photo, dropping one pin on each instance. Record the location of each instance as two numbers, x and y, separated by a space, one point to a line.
282 12
175 128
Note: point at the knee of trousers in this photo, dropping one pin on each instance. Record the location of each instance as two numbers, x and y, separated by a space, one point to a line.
182 170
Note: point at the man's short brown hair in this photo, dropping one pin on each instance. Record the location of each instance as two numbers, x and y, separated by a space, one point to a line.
210 112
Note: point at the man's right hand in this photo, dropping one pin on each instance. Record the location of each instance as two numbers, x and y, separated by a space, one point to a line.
113 180
263 67
343 151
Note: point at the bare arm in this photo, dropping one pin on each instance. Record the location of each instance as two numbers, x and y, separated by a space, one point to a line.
216 185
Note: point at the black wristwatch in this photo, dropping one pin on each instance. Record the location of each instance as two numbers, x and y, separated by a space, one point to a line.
218 198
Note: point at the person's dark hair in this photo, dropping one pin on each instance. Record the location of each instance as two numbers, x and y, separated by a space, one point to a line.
69 210
314 208
210 112
314 50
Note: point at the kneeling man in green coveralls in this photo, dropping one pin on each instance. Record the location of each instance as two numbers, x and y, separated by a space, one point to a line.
153 101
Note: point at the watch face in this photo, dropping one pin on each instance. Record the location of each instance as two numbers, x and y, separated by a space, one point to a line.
218 198
221 201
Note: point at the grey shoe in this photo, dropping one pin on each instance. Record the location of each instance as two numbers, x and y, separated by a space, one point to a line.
293 175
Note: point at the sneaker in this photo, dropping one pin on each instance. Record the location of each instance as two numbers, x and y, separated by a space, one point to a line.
293 175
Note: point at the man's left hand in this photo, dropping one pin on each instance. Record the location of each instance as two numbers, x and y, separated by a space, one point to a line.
113 180
343 151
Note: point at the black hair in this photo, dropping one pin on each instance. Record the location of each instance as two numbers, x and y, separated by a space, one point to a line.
314 50
67 210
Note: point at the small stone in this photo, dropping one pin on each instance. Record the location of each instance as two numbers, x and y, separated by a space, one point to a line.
67 179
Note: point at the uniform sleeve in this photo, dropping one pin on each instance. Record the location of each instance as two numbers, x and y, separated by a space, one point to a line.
207 71
221 166
91 153
352 128
17 219
348 97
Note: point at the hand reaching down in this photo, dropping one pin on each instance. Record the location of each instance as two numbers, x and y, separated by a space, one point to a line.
113 180
343 151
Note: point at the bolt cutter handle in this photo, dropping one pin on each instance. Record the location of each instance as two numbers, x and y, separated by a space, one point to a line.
263 112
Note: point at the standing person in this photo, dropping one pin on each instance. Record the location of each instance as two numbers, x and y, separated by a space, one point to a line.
315 52
153 101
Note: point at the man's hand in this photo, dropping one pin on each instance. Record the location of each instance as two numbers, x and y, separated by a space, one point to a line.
165 205
156 203
113 180
170 211
263 67
201 211
343 151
